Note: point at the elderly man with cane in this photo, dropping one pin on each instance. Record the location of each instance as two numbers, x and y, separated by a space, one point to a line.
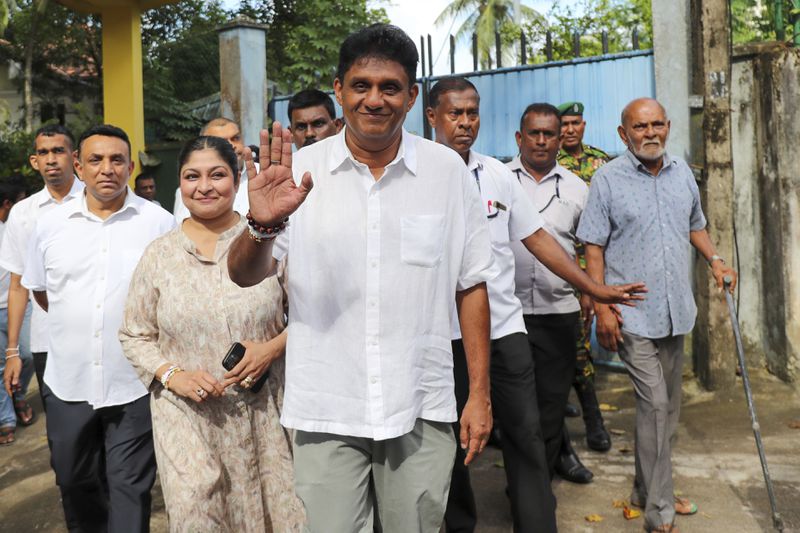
642 215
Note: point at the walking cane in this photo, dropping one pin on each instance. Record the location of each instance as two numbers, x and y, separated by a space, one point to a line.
777 521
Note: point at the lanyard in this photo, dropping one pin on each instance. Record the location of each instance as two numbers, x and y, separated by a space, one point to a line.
550 201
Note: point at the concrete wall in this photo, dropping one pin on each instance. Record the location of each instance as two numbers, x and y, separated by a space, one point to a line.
766 128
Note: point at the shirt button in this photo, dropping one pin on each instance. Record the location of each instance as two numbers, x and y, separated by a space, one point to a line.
373 264
97 363
372 303
374 227
373 380
96 334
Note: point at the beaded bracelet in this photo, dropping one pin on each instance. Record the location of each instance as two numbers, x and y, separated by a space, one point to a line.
269 230
12 349
168 373
11 356
258 236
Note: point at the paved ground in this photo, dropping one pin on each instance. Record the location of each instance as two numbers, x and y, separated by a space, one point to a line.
716 464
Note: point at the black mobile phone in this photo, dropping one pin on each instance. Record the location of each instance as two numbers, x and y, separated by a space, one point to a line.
232 358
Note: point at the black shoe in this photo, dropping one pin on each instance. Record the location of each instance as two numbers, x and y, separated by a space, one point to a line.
570 468
597 438
572 411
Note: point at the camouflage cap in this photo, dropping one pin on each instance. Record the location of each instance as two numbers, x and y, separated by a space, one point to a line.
570 108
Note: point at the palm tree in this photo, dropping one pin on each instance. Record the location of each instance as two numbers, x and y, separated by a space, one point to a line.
484 18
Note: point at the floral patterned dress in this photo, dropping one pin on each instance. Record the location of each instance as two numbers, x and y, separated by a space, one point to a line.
224 464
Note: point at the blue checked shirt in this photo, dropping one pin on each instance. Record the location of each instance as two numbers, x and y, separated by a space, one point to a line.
643 222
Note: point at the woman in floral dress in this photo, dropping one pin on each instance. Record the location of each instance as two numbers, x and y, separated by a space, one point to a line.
224 461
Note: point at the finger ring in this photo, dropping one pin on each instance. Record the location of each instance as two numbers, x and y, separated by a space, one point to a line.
274 162
200 392
246 382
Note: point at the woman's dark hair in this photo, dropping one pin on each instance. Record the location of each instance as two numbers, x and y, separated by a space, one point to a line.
208 142
382 41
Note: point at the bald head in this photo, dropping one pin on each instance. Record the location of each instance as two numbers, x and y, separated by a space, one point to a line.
644 130
639 104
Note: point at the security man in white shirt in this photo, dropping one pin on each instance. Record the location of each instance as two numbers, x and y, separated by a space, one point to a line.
53 160
80 262
387 246
229 130
454 114
548 302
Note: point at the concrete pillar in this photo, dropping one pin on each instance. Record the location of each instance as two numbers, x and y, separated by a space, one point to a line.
715 359
671 41
243 76
123 100
777 74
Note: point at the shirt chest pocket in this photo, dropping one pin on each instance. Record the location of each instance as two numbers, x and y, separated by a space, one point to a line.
498 225
422 239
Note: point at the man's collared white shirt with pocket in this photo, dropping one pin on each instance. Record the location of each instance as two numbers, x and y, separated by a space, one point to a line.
560 197
511 218
374 269
14 249
85 265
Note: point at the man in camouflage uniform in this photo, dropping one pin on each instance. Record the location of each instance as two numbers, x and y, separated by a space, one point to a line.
583 160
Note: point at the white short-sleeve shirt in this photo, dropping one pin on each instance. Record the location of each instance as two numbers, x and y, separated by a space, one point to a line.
85 265
375 266
559 198
5 277
14 248
511 218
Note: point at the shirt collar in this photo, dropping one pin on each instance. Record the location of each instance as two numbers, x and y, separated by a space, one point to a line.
132 202
473 162
406 153
638 165
74 191
519 169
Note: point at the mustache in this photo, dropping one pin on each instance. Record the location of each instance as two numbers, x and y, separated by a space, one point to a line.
309 142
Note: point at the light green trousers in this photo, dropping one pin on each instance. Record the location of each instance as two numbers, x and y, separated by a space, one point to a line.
348 483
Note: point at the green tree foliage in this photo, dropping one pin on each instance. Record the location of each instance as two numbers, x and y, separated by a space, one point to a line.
57 51
180 62
754 20
589 19
15 147
303 37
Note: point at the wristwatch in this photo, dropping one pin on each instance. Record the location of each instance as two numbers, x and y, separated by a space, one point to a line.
715 257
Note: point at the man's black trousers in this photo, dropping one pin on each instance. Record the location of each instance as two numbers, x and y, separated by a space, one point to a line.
104 463
514 404
552 339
